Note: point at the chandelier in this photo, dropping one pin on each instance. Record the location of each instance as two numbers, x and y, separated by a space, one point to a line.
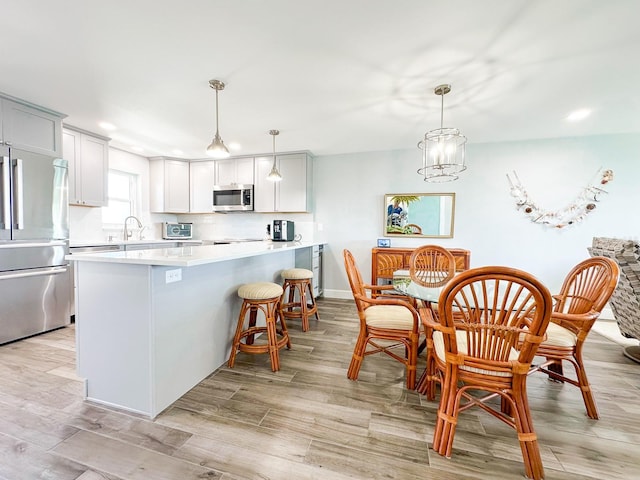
443 149
274 174
217 148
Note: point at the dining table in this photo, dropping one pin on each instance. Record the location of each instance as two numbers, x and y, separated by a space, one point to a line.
426 298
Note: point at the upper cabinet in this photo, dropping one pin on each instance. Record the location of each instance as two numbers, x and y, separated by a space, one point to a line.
201 182
29 127
293 192
88 157
234 171
168 185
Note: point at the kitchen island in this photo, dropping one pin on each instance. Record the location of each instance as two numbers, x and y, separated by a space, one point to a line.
151 324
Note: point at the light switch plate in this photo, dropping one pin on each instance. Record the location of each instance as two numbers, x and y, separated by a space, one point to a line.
173 275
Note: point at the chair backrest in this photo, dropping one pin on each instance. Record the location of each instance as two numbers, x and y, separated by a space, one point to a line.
353 274
625 301
499 310
432 266
588 286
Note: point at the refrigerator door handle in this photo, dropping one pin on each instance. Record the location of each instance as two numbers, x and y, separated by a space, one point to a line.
36 272
18 198
5 186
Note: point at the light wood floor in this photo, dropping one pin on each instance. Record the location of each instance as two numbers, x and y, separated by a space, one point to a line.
307 421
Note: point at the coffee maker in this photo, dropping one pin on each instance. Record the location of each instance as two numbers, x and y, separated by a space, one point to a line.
283 231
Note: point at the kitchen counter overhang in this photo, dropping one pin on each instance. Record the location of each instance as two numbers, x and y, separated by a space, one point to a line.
189 256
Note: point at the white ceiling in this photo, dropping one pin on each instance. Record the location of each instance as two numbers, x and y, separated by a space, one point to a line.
334 76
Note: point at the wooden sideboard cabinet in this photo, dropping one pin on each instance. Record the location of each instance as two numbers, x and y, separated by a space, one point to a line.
385 261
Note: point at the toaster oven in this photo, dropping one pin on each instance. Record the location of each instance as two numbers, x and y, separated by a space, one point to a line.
177 230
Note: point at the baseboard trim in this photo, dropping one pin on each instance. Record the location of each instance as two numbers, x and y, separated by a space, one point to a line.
341 294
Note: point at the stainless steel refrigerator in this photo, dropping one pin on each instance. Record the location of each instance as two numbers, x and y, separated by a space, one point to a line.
34 239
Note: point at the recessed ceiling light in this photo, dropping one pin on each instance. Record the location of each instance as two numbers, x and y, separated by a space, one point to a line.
578 115
235 146
177 152
107 125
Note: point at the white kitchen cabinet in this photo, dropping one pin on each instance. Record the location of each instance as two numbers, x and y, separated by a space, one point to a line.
29 127
234 171
201 182
293 192
88 157
168 185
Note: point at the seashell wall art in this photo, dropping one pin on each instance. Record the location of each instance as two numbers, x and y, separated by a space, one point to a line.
571 214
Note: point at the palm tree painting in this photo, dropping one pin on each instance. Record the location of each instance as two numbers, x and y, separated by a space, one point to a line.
397 211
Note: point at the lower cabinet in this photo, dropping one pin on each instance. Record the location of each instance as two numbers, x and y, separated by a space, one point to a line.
311 259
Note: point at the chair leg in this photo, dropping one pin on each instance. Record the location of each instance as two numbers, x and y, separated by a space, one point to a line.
412 362
272 338
447 413
313 301
585 387
358 355
526 434
236 337
303 307
556 367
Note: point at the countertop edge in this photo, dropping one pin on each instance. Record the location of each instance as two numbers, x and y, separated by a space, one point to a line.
190 256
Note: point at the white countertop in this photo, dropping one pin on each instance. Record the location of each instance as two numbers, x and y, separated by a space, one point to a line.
190 256
89 243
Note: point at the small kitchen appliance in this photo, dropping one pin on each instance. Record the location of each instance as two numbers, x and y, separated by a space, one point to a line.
283 231
177 230
232 198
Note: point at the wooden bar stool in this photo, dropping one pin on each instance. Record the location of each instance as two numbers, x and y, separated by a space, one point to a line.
263 297
300 302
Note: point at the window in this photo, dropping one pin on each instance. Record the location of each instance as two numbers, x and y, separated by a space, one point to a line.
122 197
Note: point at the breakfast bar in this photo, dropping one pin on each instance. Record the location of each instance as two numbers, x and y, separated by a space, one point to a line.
151 324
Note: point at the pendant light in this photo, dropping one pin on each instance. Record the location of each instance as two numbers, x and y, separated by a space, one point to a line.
443 149
274 174
217 148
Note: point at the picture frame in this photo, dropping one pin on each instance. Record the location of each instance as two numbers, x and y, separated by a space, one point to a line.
429 215
384 243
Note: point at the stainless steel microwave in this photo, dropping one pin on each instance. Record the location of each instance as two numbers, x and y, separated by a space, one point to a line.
230 198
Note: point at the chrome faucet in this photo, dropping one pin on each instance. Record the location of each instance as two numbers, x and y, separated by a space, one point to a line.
127 233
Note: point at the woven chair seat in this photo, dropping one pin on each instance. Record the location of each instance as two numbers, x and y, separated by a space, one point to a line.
296 274
259 291
559 336
393 317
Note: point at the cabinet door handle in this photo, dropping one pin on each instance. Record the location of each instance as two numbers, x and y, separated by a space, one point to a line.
18 194
5 219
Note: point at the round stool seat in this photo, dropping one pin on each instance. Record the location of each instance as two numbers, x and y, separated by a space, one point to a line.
259 290
296 274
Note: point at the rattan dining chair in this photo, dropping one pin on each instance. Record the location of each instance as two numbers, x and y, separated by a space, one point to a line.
584 293
430 266
382 319
490 323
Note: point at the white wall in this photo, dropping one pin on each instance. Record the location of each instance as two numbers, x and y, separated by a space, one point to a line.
349 193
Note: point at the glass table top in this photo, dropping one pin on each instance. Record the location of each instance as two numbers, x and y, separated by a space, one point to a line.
403 284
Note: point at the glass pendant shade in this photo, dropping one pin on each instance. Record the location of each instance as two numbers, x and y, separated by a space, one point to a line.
443 149
274 174
217 148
